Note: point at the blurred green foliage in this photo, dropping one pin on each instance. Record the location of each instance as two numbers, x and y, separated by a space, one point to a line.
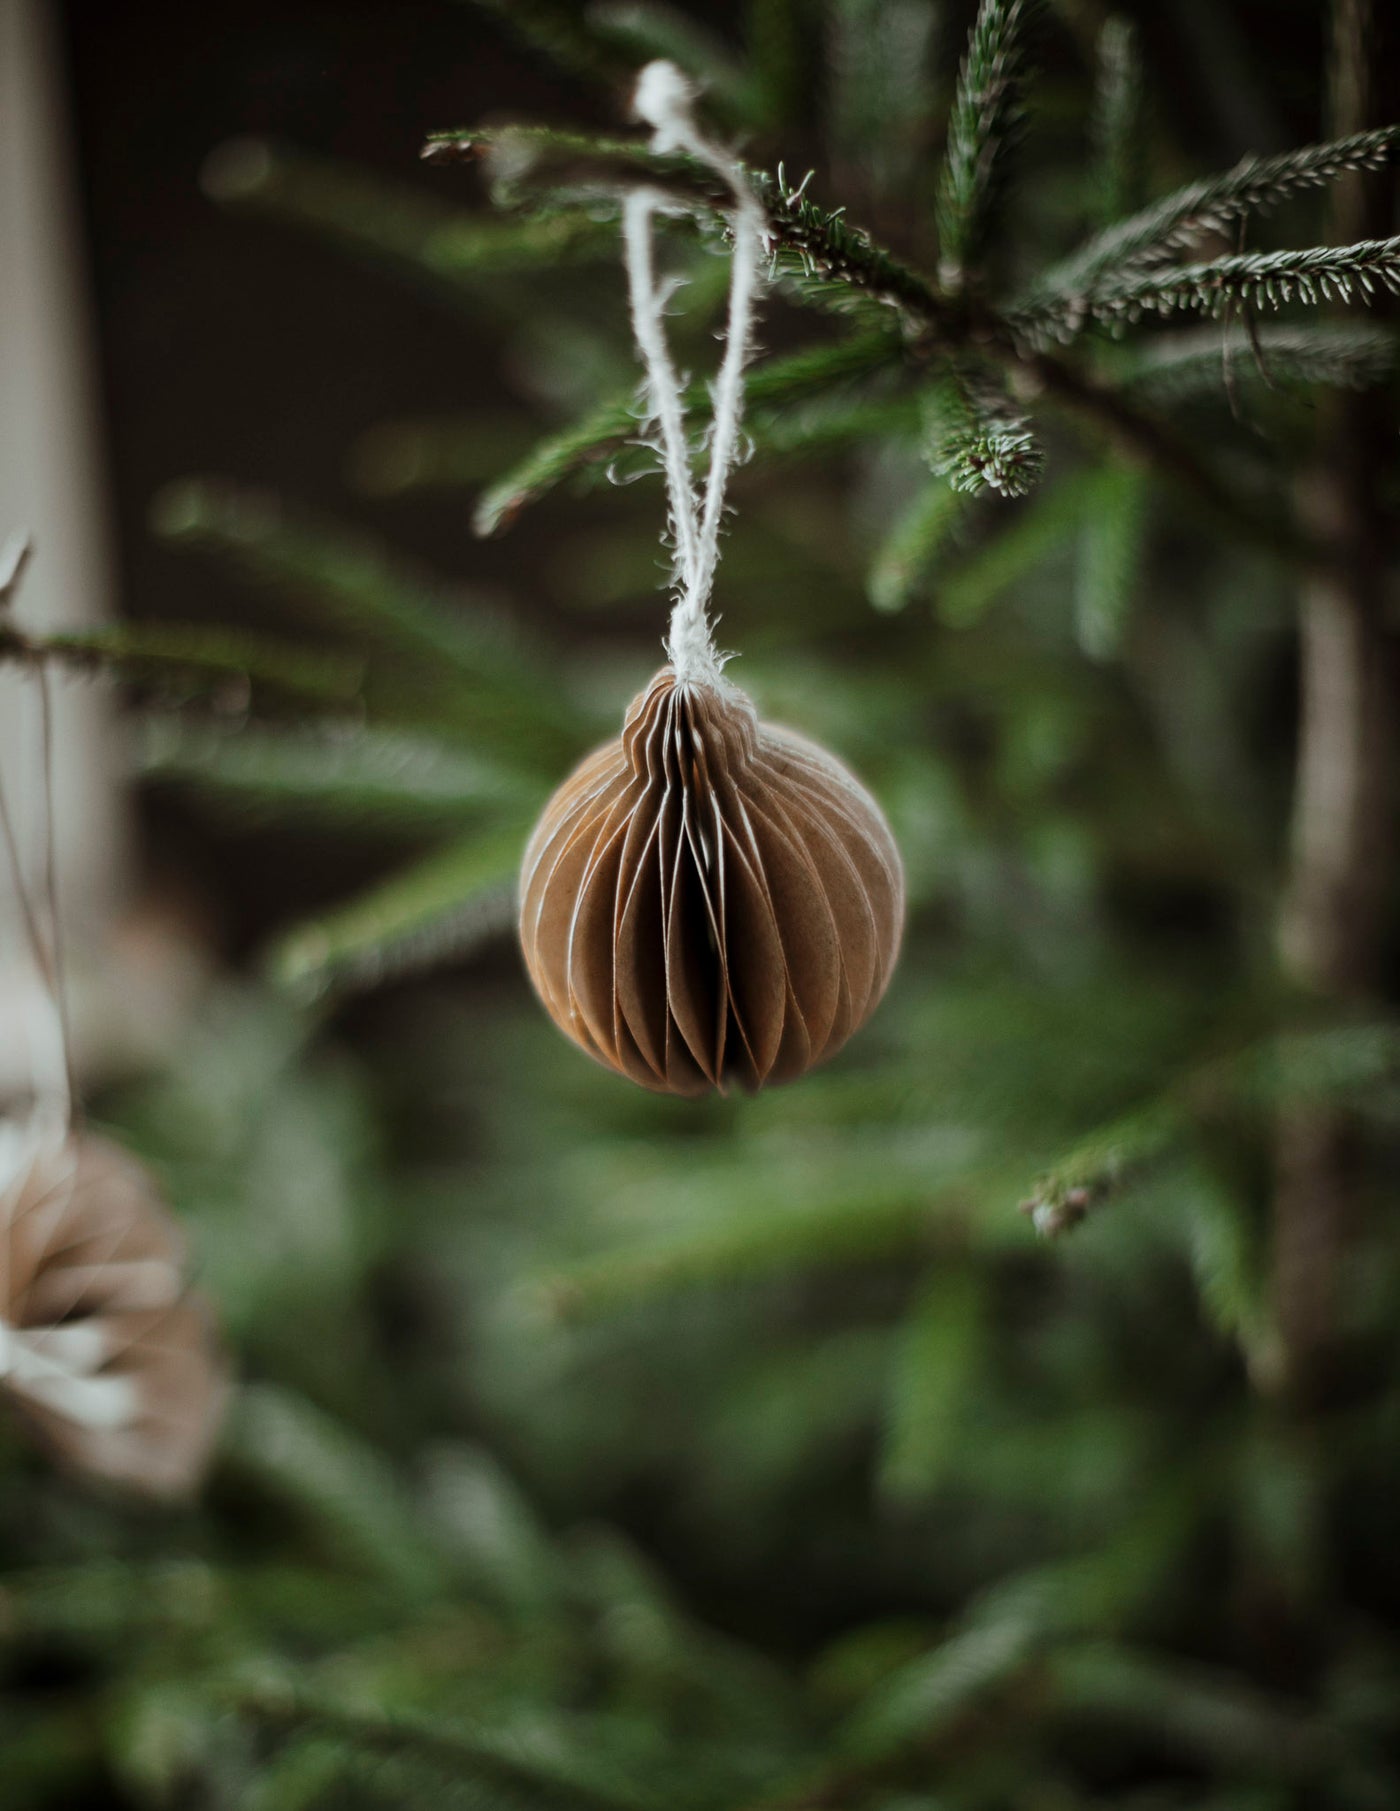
602 1452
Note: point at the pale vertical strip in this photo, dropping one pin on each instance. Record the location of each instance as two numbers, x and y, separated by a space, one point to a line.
49 487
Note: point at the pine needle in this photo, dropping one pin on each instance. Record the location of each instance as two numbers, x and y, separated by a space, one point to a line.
983 132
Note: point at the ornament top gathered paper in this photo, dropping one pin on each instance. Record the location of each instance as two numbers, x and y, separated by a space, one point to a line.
708 900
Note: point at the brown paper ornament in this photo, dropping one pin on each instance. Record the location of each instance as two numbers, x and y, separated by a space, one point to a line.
106 1355
709 900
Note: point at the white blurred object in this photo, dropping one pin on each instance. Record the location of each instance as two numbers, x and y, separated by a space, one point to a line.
50 489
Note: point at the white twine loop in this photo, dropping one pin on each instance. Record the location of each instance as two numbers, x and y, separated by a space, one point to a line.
665 101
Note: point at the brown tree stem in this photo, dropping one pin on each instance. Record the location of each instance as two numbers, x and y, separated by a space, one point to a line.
1333 923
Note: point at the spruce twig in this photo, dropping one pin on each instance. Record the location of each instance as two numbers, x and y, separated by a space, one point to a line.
1110 556
977 438
1177 366
178 658
334 771
819 246
982 135
391 225
456 1751
348 580
1212 204
441 908
615 424
1116 127
1316 274
918 535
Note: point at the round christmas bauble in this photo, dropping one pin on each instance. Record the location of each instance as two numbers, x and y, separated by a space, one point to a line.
708 900
106 1354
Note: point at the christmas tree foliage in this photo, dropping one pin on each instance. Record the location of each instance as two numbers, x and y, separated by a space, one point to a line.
598 1451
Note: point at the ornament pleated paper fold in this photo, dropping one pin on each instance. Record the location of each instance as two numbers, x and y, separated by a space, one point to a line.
709 901
106 1354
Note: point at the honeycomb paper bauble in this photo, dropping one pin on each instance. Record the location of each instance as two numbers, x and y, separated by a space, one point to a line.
105 1354
709 901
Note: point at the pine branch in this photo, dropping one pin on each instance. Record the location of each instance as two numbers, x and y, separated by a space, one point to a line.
827 247
1177 367
752 1212
341 1484
336 772
845 1228
881 92
906 556
549 1777
939 1355
615 424
392 225
588 442
831 422
347 580
1309 1068
977 439
1210 206
300 1776
1016 1622
1035 534
185 661
817 250
814 248
983 130
534 165
1322 273
1110 560
102 1603
1210 1716
1117 124
1226 1252
438 910
552 167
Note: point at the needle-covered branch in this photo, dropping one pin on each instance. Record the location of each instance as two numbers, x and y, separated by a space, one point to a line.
612 426
983 131
392 226
1253 186
817 251
1322 273
189 660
